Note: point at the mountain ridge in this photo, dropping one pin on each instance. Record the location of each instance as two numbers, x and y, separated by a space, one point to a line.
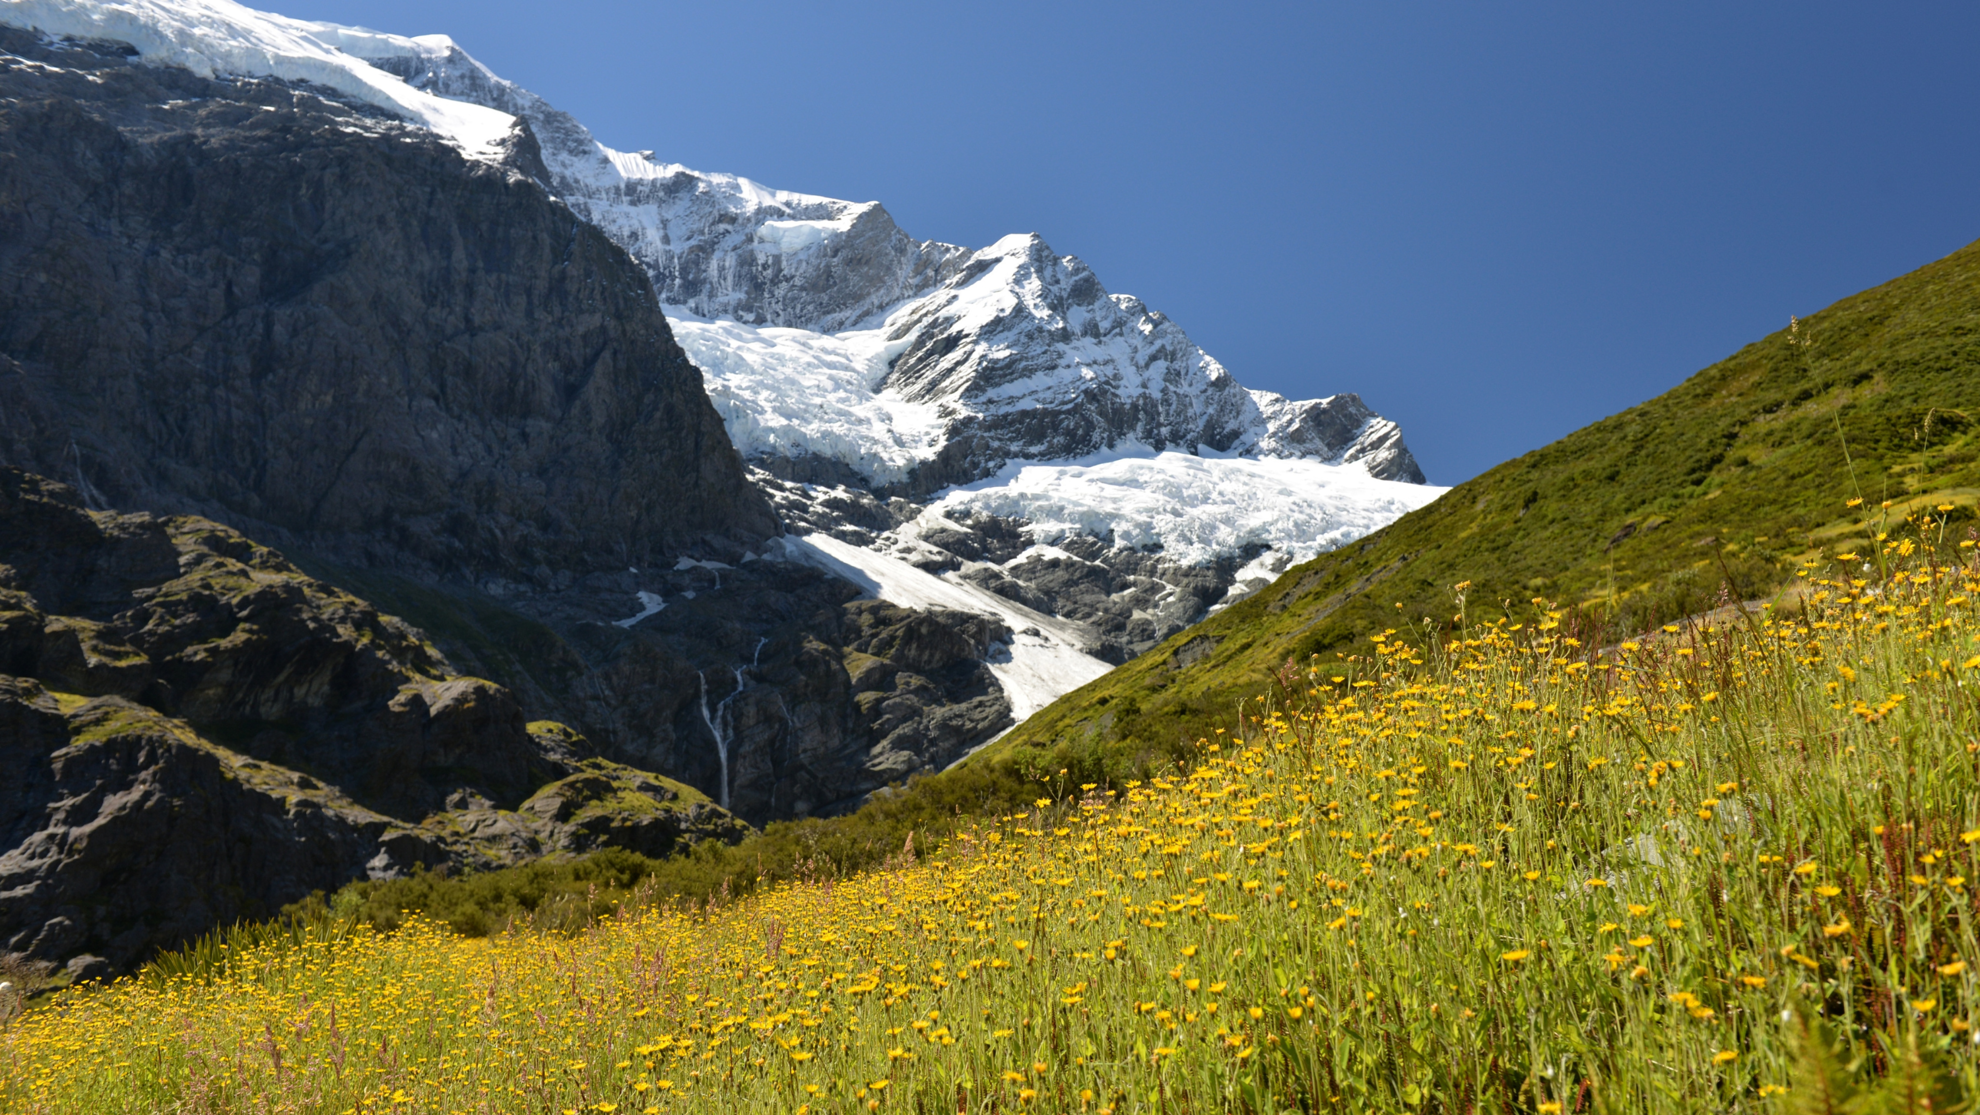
305 307
721 246
858 366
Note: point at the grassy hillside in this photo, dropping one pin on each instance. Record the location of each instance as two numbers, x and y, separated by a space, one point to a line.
1639 518
1717 869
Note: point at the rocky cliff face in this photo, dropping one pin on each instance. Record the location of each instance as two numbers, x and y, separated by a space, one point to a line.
195 731
248 300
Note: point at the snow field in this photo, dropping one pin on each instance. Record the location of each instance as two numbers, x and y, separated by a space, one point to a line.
1043 662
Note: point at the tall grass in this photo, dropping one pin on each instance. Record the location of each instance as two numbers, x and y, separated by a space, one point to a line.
1725 866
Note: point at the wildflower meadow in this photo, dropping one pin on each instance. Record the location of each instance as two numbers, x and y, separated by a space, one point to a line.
1727 864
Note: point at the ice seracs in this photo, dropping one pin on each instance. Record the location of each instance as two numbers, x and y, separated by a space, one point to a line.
792 394
1191 509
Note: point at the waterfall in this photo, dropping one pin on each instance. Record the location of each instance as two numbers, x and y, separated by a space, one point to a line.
720 723
721 740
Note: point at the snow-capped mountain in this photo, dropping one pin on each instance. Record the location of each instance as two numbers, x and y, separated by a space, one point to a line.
942 364
1081 453
852 360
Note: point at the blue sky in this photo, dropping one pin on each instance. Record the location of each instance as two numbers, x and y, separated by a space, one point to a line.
1495 222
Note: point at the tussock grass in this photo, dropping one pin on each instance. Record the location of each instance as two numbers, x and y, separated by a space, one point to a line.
1726 866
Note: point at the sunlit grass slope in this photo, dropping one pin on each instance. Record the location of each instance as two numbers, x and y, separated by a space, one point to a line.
1639 518
1720 867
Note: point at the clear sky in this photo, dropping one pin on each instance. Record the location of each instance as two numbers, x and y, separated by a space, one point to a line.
1495 222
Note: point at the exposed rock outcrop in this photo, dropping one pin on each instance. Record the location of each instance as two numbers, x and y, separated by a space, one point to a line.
920 685
195 731
1340 428
124 830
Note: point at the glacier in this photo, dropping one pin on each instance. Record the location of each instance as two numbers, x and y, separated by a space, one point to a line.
793 393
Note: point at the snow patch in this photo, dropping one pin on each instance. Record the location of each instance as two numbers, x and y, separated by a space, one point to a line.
1043 552
650 604
1254 575
796 236
1042 663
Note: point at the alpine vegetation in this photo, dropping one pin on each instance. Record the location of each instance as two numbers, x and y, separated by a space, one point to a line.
1490 865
